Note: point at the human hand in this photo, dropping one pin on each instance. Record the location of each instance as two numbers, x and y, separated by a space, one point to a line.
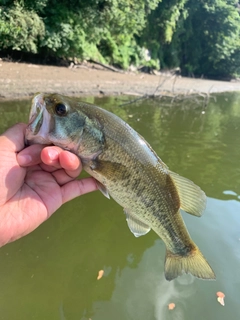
34 183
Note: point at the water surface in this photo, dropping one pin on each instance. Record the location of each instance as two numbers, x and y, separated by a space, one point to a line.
51 273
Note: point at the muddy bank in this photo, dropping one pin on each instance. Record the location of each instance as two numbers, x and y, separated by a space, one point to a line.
21 80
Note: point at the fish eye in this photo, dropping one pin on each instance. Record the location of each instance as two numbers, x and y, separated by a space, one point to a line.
61 109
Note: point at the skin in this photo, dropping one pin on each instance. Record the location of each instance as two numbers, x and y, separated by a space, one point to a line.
34 182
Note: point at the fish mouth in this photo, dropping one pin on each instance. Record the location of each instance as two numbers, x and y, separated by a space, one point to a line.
39 122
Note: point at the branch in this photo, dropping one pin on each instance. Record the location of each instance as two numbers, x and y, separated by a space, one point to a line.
107 66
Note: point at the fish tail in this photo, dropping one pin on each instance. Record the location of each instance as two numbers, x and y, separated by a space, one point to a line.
194 263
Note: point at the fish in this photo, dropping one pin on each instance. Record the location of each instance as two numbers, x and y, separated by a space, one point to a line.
127 169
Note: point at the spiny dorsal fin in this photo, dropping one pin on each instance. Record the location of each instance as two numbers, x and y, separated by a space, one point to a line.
192 198
137 227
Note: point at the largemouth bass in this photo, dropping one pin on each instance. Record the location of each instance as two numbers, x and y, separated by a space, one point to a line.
127 169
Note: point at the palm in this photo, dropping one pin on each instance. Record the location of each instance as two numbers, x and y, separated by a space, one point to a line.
29 195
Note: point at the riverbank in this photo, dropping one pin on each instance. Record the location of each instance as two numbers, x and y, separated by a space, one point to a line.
22 80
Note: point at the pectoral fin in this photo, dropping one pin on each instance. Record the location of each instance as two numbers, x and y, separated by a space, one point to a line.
192 198
103 189
137 227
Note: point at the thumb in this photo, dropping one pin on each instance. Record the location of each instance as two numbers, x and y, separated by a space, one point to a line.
13 138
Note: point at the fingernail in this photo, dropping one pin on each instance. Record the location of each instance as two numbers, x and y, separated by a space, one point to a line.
24 159
53 154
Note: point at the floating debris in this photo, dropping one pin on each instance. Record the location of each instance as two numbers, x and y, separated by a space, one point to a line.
221 301
171 306
220 297
100 274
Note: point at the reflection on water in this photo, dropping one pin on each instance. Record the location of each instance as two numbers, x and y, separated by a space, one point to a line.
51 273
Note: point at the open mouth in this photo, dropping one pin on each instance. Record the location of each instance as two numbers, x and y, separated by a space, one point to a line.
39 119
36 119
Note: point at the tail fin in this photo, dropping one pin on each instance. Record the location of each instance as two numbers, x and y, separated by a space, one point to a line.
194 263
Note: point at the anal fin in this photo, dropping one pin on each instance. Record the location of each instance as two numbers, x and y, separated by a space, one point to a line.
137 227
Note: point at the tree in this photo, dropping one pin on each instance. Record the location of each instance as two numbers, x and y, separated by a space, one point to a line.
202 37
96 29
210 44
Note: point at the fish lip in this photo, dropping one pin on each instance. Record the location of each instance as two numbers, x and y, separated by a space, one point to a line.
37 103
39 122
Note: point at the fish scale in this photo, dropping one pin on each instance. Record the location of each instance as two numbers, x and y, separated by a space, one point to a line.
128 169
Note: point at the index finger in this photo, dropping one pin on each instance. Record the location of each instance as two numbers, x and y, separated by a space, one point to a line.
57 158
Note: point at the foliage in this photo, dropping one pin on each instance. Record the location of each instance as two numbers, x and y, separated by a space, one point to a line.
102 30
20 29
162 23
210 44
200 37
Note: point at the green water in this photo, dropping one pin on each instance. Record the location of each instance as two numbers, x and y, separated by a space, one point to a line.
51 273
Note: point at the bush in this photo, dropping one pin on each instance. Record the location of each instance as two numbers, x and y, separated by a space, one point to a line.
20 29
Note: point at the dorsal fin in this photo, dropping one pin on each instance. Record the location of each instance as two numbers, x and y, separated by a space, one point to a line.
192 198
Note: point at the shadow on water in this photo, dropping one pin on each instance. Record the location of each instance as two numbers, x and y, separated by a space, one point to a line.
51 273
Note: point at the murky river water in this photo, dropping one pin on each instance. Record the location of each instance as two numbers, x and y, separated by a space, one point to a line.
51 273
